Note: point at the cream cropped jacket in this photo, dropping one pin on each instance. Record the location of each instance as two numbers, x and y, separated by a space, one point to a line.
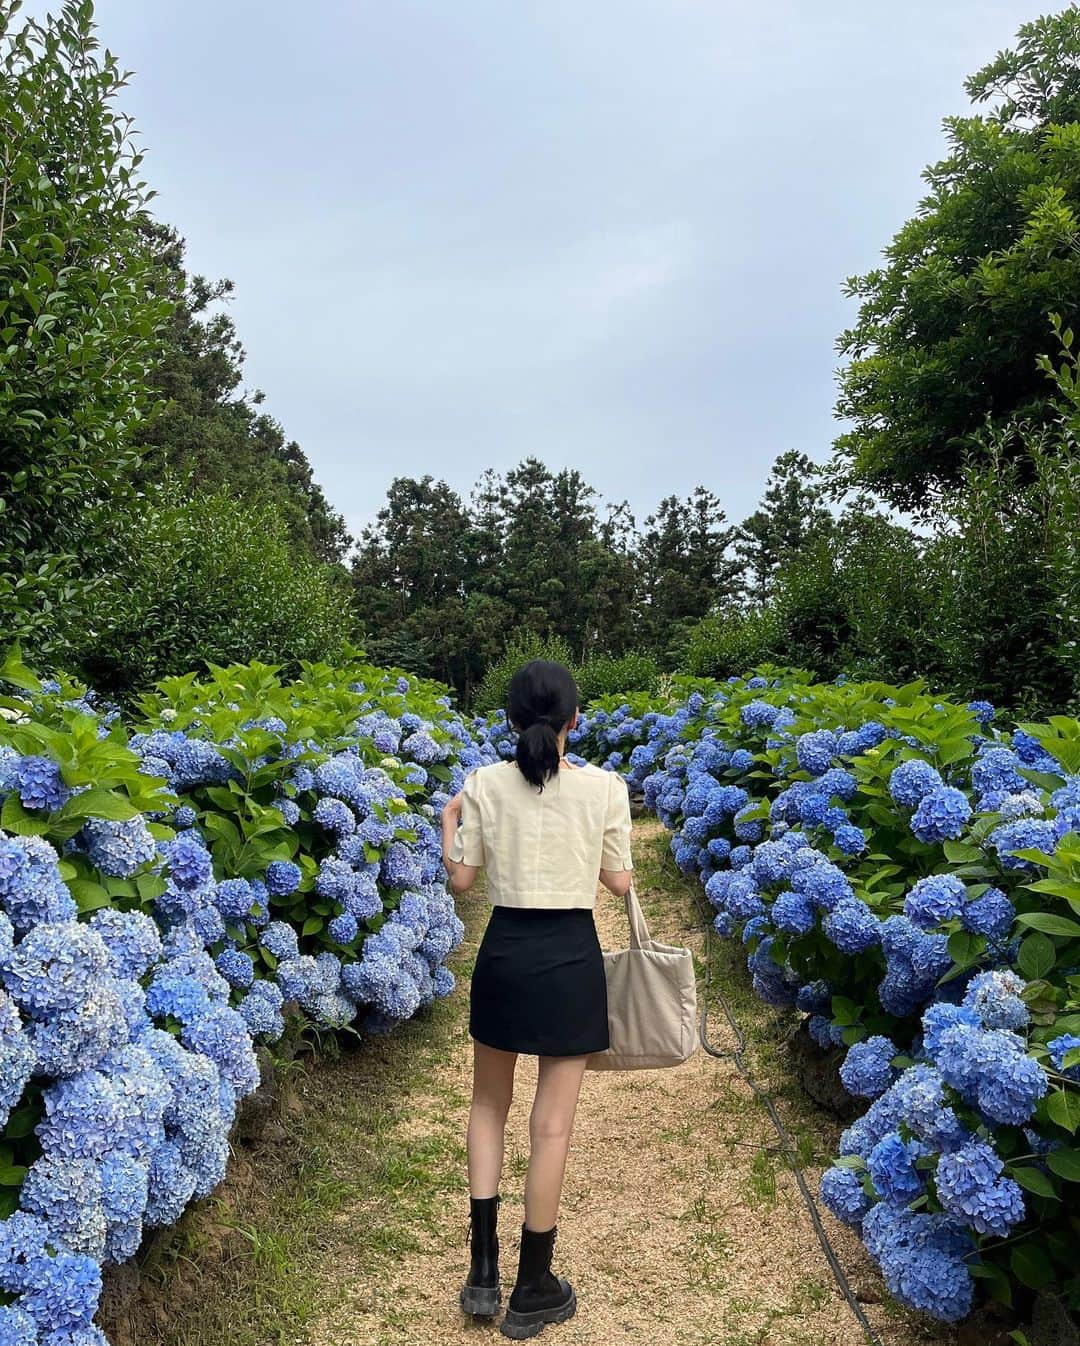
543 848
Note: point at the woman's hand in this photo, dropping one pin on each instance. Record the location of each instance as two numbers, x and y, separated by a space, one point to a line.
461 876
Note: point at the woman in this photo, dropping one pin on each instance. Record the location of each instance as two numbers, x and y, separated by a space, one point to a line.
545 831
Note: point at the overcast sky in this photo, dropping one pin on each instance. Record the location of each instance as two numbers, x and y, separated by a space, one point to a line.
609 233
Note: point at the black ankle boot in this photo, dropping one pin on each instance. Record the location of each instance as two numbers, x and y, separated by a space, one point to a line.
538 1297
481 1294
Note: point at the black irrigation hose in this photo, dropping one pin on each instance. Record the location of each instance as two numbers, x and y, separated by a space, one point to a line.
786 1147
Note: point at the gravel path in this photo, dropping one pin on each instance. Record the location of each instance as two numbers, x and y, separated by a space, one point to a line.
678 1224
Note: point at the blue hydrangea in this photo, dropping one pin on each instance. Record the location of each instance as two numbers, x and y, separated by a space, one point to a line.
920 1098
131 938
842 1193
40 784
17 1058
921 1258
54 968
934 899
1059 1048
852 926
995 770
64 1294
971 1186
825 884
941 815
893 1172
282 878
119 849
222 1036
793 913
280 939
31 890
815 751
991 914
343 928
199 763
171 1185
66 1194
867 1070
995 998
850 839
990 1070
190 865
234 898
912 781
1024 834
289 810
236 967
758 714
335 816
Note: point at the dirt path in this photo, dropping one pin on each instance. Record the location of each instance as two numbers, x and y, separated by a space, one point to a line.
678 1224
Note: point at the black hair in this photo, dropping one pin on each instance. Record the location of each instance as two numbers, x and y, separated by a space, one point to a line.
541 699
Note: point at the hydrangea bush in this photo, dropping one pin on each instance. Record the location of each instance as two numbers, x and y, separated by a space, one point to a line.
905 873
252 853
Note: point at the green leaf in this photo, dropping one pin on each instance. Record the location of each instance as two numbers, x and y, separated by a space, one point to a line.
1035 1180
17 820
1036 956
997 1283
97 803
1049 923
12 1175
89 896
1064 1109
1065 1163
965 948
312 925
224 799
21 1122
960 853
13 670
150 886
1031 1267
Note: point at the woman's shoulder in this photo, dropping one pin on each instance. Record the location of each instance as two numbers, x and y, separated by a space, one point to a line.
594 772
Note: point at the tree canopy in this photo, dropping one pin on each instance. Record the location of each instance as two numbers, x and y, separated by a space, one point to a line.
950 330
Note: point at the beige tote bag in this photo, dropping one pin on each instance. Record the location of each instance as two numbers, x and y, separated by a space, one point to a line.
652 1001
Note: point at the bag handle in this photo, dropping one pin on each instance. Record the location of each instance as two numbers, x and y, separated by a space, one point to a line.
639 930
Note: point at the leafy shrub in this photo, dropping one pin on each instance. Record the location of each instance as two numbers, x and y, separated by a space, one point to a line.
491 693
908 876
205 580
81 314
605 675
255 853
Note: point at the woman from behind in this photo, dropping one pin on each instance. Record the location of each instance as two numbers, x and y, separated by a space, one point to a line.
545 831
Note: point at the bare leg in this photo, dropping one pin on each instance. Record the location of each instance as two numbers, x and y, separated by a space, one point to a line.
493 1092
551 1122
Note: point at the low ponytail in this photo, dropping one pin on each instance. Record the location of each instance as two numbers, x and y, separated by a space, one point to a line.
541 700
537 753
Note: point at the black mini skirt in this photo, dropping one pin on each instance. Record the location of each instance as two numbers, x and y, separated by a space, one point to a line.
538 985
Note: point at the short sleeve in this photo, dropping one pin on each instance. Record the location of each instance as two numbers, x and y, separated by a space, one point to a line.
616 853
467 845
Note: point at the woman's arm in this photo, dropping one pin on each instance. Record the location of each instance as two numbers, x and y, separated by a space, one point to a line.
617 881
461 876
